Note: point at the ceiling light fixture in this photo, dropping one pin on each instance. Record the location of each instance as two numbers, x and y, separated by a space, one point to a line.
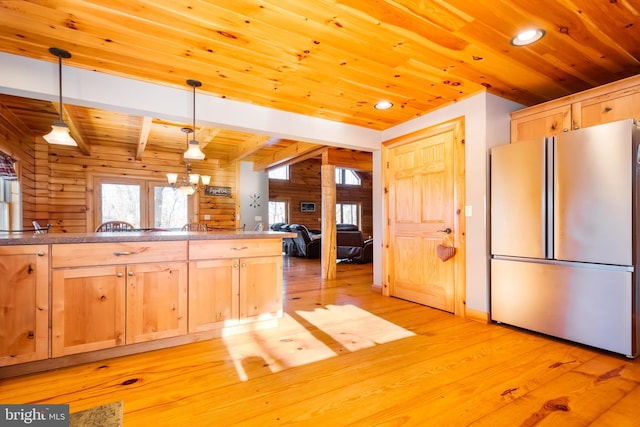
189 183
59 130
193 151
383 105
527 37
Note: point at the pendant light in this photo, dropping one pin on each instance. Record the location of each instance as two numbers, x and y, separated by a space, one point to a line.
193 151
59 130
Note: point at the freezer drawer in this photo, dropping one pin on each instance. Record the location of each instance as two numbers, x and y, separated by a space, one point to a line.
588 305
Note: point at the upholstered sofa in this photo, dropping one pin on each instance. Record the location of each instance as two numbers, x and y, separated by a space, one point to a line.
304 244
351 244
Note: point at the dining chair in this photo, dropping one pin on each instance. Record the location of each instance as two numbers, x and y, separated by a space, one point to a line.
194 226
115 226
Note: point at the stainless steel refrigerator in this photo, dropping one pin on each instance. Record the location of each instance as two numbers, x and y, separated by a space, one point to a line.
564 224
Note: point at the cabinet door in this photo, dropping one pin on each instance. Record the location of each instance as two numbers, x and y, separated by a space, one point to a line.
156 301
24 304
213 294
606 109
88 309
260 288
539 125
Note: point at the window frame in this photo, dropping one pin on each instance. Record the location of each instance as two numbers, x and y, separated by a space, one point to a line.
341 175
287 213
358 207
147 186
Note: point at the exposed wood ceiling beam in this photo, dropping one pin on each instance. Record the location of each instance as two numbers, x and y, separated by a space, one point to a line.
205 135
250 146
143 137
13 123
73 129
350 159
284 156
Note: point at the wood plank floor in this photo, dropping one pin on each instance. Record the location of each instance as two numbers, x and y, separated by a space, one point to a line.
345 355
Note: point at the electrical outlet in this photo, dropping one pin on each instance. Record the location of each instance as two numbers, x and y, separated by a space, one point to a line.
207 217
258 218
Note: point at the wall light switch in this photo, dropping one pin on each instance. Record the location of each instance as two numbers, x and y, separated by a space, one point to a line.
258 218
207 217
468 211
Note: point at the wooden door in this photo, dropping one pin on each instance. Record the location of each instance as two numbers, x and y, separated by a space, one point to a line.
88 309
24 302
260 288
156 301
421 203
213 294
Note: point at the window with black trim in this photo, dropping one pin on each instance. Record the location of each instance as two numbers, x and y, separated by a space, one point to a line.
347 177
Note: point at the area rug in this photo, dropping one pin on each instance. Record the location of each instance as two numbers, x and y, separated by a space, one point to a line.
109 415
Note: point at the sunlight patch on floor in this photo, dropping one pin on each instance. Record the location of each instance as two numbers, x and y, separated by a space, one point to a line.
307 337
353 327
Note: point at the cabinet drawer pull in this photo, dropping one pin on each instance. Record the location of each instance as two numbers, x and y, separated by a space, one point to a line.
241 248
125 253
119 275
40 253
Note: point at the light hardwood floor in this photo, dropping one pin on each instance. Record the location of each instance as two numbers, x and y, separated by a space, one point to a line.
345 355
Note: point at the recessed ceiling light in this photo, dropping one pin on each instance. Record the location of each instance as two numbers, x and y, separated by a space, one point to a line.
383 105
527 37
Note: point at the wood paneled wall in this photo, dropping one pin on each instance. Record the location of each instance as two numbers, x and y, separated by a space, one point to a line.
63 192
304 185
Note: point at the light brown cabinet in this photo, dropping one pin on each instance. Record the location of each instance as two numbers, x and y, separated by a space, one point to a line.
234 282
24 304
615 101
95 305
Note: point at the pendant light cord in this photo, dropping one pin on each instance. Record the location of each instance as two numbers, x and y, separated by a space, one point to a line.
60 83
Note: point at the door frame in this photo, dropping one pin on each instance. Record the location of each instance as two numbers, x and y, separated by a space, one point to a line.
459 226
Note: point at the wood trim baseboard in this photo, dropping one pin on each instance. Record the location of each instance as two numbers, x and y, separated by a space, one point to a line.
477 315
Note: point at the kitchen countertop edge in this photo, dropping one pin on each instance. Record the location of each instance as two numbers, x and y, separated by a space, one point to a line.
11 239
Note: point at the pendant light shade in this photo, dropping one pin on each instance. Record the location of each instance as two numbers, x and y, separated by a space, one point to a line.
59 130
193 151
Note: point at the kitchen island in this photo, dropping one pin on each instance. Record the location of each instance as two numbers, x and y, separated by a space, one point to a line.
74 298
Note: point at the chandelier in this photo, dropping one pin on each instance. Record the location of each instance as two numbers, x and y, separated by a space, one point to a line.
189 182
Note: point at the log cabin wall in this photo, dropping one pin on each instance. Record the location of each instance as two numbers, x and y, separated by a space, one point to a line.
66 205
304 185
21 146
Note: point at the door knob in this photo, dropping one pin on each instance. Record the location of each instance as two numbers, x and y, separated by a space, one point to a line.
446 230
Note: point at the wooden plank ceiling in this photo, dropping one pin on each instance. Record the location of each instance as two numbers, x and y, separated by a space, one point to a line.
331 59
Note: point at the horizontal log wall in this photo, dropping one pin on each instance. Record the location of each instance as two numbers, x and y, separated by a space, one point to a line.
304 185
68 208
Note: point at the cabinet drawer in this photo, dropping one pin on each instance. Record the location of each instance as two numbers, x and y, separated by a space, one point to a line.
90 254
213 249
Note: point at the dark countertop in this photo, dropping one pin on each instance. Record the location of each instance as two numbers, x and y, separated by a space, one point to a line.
29 238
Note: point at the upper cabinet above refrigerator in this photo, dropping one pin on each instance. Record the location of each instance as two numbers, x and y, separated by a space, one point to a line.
518 203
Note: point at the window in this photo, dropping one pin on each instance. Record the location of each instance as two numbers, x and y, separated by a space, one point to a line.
347 177
277 212
348 213
5 200
170 207
142 203
279 173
